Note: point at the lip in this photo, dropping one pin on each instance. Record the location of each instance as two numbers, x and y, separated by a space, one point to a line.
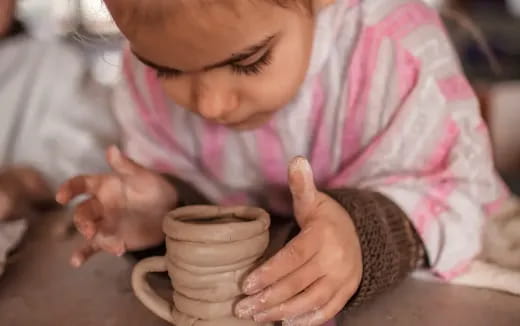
228 123
237 125
248 123
232 122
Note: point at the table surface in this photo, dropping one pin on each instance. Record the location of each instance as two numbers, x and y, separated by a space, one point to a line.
39 288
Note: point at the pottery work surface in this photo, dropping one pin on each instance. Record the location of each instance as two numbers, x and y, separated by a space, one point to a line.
210 250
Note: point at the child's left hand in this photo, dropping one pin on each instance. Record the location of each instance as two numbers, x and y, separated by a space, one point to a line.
310 280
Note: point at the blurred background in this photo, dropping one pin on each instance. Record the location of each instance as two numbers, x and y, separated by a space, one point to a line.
486 34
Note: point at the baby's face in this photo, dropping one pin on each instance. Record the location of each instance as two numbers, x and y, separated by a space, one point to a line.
234 62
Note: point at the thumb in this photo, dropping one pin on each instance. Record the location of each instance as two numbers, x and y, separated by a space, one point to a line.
303 189
120 163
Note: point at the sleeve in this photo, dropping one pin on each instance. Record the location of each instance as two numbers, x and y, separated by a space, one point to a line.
427 149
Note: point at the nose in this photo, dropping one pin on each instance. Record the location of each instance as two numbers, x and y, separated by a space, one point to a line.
214 101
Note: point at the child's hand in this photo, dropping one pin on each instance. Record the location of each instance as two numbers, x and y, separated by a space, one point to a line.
125 210
20 189
310 280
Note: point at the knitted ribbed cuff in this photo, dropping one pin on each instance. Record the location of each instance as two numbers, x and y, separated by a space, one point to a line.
391 248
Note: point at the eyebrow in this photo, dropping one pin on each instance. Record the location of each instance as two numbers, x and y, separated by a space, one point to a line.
235 57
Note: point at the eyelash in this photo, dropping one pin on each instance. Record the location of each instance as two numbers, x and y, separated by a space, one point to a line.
251 69
167 74
254 68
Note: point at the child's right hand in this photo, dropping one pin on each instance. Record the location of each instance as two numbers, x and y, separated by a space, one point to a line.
125 209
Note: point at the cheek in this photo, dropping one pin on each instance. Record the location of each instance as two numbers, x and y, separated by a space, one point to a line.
178 90
279 83
276 87
281 80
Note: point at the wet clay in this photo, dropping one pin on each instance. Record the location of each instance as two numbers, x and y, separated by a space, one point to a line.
210 250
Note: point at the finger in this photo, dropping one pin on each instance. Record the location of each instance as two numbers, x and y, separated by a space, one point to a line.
77 186
110 243
278 293
87 217
312 299
83 254
323 314
6 206
121 163
290 258
301 184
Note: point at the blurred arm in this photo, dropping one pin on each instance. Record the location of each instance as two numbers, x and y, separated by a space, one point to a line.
6 16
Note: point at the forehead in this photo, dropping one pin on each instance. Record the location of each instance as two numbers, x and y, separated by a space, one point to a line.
189 34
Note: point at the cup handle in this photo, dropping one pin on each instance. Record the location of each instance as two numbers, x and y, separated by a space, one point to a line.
148 297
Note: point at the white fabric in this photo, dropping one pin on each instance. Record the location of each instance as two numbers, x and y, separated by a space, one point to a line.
490 276
51 18
10 235
491 270
45 119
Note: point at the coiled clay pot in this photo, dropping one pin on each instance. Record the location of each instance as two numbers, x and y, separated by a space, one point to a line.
209 252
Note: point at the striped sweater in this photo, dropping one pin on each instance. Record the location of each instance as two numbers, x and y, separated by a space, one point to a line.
384 107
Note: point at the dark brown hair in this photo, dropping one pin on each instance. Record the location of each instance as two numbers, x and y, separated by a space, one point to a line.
142 11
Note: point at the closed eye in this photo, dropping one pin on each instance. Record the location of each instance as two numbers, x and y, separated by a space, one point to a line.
239 62
167 73
254 68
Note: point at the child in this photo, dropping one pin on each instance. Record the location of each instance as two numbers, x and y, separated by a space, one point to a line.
224 94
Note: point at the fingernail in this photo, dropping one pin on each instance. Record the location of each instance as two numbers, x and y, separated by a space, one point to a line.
76 261
300 163
312 318
60 197
260 317
245 309
115 151
122 250
86 229
287 322
251 285
293 322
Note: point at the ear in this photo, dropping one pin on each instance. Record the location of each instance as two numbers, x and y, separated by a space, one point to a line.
320 4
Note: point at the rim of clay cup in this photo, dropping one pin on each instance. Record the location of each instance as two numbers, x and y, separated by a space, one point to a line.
175 226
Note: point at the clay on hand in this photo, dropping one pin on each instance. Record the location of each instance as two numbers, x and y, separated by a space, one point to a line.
210 250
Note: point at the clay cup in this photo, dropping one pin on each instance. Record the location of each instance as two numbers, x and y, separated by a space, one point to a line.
210 250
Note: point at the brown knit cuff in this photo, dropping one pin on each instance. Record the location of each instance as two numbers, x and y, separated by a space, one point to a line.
390 246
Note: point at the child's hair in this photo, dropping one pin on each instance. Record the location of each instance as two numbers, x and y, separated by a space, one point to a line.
143 11
289 3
